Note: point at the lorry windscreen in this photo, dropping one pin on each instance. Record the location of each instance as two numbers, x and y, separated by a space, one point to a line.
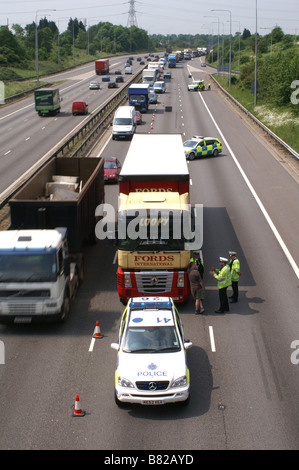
161 232
43 98
28 267
137 98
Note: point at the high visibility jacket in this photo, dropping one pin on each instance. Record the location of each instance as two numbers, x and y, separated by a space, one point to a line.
223 277
235 269
200 265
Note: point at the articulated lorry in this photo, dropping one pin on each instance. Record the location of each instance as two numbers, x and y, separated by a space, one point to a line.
47 101
138 94
154 219
41 260
102 66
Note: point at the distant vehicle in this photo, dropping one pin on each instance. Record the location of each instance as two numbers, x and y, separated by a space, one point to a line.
102 66
128 70
112 84
105 78
94 85
196 85
112 169
152 366
142 62
138 59
166 74
200 146
119 79
159 87
203 64
138 117
79 107
47 101
124 122
153 98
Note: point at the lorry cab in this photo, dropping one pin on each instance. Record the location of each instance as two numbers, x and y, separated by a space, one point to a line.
79 107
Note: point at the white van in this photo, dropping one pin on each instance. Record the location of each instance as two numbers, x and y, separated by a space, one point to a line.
124 122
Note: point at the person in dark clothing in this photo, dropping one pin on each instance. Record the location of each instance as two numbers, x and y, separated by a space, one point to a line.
197 287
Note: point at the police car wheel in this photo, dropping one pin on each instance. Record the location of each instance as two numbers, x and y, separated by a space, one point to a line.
191 156
215 152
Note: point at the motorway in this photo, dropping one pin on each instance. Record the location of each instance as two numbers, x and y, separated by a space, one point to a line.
244 373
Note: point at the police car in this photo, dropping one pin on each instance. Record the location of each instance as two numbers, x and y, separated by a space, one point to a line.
199 146
196 85
151 364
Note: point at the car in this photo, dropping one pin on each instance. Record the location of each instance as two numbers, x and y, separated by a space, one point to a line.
159 87
119 79
117 72
152 367
138 59
152 98
203 64
138 117
112 84
112 169
105 78
128 70
200 146
166 74
94 85
196 85
142 62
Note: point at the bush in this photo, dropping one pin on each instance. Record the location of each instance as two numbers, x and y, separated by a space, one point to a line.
8 74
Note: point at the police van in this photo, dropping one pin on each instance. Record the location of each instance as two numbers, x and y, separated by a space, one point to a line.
151 364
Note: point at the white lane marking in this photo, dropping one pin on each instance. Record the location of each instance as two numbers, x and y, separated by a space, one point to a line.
259 202
212 339
91 344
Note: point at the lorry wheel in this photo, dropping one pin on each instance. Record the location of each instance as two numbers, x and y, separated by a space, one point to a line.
65 308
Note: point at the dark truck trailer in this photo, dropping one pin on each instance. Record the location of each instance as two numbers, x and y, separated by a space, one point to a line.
33 208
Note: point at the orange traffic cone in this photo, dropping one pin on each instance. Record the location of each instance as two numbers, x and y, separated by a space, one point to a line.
97 332
77 411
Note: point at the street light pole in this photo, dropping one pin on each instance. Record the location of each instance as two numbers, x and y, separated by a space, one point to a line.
230 45
36 42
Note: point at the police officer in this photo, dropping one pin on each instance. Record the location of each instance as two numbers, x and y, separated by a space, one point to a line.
223 277
199 262
234 265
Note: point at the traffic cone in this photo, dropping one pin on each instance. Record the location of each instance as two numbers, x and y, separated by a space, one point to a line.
97 332
77 411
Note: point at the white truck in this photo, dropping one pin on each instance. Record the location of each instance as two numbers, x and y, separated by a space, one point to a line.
149 76
41 260
38 281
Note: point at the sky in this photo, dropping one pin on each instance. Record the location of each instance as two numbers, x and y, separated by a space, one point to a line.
161 16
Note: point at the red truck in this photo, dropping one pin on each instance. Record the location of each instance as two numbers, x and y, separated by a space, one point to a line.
102 66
